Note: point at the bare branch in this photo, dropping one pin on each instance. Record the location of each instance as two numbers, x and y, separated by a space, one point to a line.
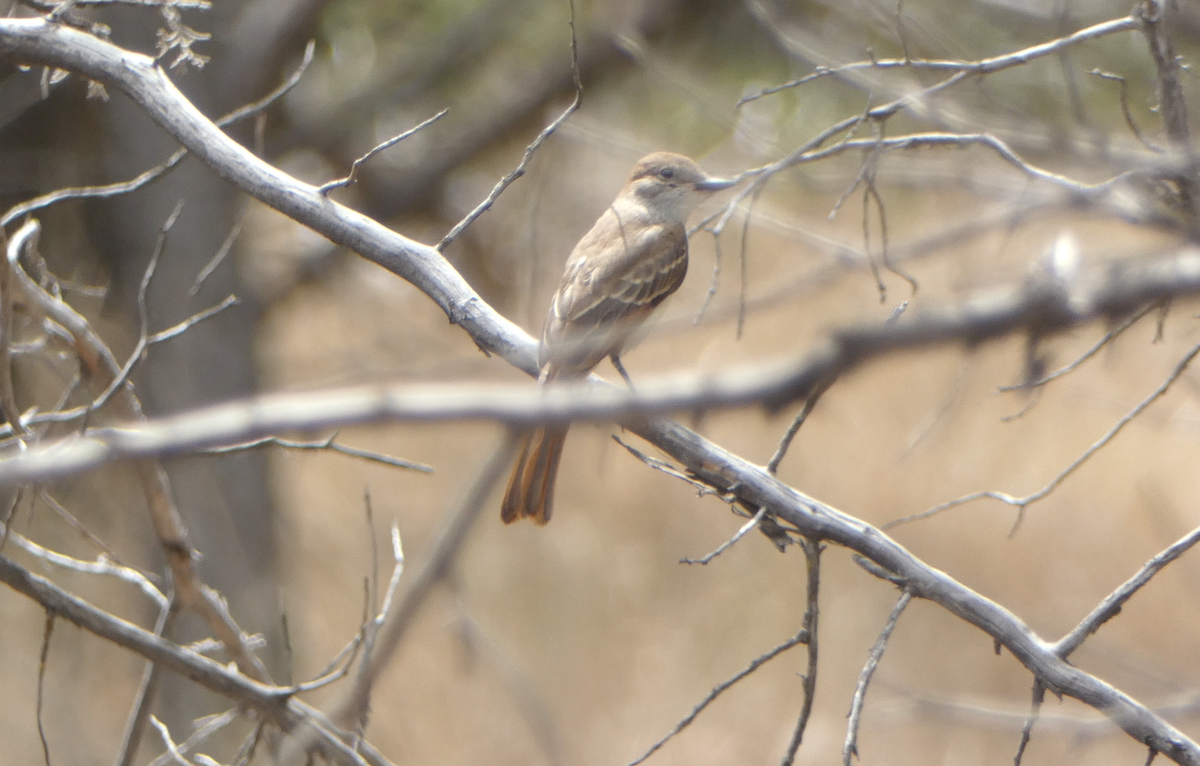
36 42
101 566
749 525
1111 606
963 69
1021 503
140 712
324 444
799 638
325 188
1035 707
549 130
455 526
1108 338
47 631
812 562
1045 307
99 362
275 702
850 748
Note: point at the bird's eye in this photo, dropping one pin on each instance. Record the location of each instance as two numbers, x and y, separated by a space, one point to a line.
666 173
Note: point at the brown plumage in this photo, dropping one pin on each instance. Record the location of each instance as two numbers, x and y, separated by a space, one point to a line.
622 269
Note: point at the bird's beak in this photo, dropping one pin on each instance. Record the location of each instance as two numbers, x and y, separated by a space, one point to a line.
714 184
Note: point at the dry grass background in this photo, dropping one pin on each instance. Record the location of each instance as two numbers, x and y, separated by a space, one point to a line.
586 641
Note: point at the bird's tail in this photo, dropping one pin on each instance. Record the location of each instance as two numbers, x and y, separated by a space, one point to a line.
531 489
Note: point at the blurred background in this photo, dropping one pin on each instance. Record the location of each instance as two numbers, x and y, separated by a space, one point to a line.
585 641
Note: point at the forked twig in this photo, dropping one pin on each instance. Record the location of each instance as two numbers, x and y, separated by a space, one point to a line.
325 188
1123 97
745 528
206 727
799 638
1095 349
1021 503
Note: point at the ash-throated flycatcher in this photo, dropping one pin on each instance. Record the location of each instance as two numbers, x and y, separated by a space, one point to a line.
632 259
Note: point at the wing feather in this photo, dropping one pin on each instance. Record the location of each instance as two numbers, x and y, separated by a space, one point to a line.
617 274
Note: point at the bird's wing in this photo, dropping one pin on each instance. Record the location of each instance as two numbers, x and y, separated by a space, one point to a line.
617 274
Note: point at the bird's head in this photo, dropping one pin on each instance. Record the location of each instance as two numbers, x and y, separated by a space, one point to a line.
671 185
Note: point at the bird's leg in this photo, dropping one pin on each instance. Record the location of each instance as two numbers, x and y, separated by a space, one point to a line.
616 360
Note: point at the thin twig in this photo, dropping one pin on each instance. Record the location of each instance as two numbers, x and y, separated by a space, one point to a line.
1108 338
701 488
206 727
713 280
1111 606
812 562
246 751
139 349
194 319
810 402
101 566
850 748
323 444
1021 503
1123 97
325 188
963 69
172 748
507 181
744 262
799 638
222 251
1035 708
140 712
749 525
78 526
47 630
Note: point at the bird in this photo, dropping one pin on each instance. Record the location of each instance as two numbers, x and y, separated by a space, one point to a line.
630 261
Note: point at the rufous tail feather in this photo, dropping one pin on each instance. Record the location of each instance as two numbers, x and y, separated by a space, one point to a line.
530 492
